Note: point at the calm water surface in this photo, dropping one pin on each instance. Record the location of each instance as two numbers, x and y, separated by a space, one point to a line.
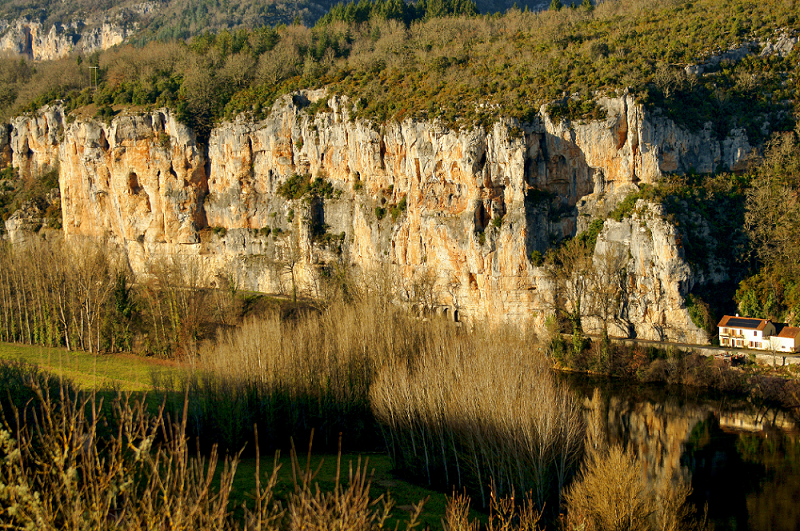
742 460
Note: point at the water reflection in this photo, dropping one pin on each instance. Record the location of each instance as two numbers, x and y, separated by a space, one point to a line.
743 461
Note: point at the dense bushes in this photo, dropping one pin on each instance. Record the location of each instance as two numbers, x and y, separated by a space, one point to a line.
612 493
772 221
78 464
459 69
294 375
366 10
453 408
479 410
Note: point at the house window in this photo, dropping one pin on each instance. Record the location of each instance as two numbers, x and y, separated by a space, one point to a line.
755 333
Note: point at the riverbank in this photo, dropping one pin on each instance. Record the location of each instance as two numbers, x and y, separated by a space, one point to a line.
667 363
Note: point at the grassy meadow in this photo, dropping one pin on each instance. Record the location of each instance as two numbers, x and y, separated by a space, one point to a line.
127 373
122 372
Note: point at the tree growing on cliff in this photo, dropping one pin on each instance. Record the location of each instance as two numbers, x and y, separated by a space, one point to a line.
291 256
608 295
570 271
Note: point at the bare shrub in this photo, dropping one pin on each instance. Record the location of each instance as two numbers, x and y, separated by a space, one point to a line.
312 371
57 293
58 472
476 409
177 308
72 463
504 514
613 494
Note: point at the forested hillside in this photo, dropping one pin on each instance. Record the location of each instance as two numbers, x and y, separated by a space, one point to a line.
181 19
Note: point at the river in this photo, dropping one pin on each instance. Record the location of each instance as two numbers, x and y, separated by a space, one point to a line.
742 459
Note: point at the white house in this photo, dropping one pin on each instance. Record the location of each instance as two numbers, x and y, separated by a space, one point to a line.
786 340
745 332
760 334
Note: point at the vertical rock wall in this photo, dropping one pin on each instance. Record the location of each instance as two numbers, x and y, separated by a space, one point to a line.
466 207
30 39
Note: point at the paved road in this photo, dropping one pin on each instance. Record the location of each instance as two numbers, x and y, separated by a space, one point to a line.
710 350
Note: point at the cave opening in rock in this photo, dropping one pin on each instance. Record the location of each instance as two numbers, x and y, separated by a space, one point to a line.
481 217
133 184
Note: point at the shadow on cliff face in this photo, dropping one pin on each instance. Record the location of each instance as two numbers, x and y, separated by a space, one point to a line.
556 177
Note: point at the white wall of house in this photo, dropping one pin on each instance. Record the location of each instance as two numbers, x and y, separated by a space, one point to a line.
784 344
747 337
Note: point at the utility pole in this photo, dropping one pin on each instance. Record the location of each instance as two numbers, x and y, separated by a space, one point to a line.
95 77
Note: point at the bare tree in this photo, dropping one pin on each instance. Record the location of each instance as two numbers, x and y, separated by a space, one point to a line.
608 291
291 257
610 286
570 271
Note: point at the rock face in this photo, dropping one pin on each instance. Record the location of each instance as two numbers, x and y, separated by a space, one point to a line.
36 42
658 278
464 209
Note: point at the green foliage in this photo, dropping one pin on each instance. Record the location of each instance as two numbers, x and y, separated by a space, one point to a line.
576 109
536 259
625 208
772 219
406 12
14 192
700 313
380 212
458 69
302 186
589 236
399 208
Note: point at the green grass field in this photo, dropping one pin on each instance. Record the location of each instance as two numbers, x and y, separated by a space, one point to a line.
123 372
379 469
128 372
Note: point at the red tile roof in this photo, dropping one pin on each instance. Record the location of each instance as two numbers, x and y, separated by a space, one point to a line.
789 332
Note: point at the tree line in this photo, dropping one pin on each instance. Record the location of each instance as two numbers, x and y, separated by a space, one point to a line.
79 294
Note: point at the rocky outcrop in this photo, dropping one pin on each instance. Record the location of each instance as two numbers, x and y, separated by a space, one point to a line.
139 181
658 278
464 208
34 141
33 217
781 43
37 42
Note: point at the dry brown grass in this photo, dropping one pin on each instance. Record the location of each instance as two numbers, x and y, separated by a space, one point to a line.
72 464
481 408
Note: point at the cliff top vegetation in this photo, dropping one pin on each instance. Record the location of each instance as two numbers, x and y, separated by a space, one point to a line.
181 19
464 69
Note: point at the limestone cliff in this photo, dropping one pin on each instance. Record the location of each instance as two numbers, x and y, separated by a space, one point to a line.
465 208
31 39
